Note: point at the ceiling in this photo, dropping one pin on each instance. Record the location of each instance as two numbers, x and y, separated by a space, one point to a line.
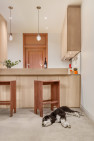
25 14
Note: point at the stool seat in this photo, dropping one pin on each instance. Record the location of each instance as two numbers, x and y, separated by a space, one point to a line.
12 101
38 95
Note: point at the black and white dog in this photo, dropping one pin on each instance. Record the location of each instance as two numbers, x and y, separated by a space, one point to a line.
59 115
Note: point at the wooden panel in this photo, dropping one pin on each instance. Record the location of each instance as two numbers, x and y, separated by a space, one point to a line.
74 28
30 39
71 33
70 90
64 39
3 40
30 42
25 91
74 93
64 88
35 57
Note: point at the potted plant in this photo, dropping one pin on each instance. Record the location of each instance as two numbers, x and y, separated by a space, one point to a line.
9 63
75 71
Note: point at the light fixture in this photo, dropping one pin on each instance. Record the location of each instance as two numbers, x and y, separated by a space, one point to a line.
38 36
46 28
10 18
45 18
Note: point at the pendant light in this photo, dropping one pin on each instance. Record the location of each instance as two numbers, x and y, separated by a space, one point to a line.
10 18
38 36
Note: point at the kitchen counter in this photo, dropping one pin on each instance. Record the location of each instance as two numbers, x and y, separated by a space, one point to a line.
70 85
34 72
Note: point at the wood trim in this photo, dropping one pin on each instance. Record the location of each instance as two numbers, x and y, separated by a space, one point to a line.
34 46
74 6
34 33
47 48
23 53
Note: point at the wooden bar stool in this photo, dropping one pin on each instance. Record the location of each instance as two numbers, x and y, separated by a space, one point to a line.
12 101
38 95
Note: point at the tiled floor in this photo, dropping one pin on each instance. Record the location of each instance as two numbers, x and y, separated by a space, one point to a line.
26 126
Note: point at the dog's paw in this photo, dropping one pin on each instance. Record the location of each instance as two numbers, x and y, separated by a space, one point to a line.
69 126
77 114
65 124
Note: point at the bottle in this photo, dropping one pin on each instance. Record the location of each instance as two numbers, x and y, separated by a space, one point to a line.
45 63
70 69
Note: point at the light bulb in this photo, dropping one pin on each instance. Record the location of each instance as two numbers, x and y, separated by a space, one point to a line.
10 37
38 37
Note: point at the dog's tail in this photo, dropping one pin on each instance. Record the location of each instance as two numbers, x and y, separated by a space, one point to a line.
67 109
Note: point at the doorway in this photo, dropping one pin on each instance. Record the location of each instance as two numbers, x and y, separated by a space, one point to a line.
34 52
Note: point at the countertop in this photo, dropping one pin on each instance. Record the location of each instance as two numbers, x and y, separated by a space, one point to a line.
34 72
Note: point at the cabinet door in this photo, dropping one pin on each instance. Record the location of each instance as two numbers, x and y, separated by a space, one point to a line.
74 91
64 39
74 28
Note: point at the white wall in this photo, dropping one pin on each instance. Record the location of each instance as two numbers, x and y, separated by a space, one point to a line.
87 57
54 49
15 51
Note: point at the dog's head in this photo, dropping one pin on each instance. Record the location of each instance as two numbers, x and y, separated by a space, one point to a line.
48 120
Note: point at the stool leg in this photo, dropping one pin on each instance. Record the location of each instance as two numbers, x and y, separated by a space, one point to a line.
58 92
41 112
35 96
52 107
13 97
55 92
14 91
11 110
40 98
35 110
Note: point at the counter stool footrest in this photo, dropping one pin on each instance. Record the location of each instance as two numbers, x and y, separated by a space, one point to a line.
5 102
49 102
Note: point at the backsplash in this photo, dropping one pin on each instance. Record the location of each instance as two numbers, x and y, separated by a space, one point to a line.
76 62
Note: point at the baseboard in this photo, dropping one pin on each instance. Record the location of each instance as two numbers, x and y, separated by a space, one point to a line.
87 113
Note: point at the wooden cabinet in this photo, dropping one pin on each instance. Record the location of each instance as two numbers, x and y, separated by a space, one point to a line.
34 52
70 88
71 34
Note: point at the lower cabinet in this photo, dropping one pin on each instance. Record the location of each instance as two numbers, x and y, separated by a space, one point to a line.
70 90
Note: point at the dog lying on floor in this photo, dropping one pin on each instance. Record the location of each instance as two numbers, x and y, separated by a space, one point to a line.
59 115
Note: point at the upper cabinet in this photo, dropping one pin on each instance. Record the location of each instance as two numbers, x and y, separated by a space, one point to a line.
71 34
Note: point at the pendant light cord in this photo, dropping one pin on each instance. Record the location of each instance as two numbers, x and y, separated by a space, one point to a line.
10 20
38 21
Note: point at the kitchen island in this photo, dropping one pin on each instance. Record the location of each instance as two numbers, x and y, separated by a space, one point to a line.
70 85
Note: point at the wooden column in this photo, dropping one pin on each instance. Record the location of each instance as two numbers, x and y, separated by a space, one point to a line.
3 40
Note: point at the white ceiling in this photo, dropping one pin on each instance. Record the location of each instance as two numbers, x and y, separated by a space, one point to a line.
25 14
